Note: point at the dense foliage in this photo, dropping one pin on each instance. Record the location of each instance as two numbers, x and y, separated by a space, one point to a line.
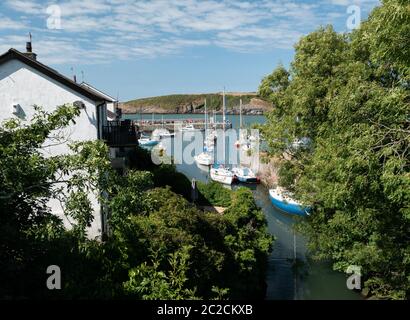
349 93
213 193
159 245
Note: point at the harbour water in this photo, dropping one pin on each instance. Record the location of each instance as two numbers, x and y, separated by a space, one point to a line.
313 280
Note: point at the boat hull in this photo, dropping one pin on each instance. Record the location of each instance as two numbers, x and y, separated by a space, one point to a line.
221 178
247 179
289 208
148 143
203 161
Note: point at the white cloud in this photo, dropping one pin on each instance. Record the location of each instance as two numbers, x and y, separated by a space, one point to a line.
7 23
25 6
350 2
102 30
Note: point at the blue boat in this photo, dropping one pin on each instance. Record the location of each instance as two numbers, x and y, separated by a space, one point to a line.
285 203
147 142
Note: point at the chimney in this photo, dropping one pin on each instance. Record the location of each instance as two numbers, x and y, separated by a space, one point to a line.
29 50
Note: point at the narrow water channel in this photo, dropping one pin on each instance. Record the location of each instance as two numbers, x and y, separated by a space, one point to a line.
312 280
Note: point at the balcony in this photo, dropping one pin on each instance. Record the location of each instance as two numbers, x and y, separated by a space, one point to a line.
120 133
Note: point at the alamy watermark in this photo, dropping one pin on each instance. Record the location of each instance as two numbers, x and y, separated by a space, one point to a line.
354 19
354 281
54 280
54 17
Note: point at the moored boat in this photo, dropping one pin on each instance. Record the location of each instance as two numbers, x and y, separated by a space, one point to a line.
204 158
221 174
162 133
189 128
245 175
283 200
147 142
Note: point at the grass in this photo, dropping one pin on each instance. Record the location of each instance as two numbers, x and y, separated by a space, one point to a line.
214 101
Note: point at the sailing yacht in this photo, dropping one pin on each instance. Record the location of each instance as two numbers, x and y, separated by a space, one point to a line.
220 173
204 158
246 175
284 201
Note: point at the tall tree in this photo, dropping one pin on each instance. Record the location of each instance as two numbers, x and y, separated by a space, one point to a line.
350 95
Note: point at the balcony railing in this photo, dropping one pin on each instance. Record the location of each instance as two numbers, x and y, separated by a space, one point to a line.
120 133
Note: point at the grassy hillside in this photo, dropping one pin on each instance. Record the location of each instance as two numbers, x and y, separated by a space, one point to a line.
185 103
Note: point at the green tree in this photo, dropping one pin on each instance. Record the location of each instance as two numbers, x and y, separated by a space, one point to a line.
350 95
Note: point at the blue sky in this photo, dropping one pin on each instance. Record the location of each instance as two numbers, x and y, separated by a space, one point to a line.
146 48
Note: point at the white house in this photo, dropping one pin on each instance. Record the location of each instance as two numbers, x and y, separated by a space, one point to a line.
25 82
111 103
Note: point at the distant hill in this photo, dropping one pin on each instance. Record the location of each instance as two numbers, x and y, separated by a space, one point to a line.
194 103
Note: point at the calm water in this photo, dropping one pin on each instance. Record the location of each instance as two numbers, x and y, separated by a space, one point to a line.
313 280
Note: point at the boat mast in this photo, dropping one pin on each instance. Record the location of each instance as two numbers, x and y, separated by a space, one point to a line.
206 120
223 109
240 113
223 124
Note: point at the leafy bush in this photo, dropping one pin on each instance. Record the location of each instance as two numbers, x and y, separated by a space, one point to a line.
214 194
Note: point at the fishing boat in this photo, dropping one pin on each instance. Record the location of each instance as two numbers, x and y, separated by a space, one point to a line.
221 174
245 175
283 200
204 158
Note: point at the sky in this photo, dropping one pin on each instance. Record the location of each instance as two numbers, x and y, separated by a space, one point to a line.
132 49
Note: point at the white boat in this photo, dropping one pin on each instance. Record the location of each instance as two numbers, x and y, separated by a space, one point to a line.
209 142
246 147
242 133
302 143
189 128
222 175
204 158
246 175
162 133
253 138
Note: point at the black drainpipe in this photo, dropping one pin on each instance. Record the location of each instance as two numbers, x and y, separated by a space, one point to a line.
99 133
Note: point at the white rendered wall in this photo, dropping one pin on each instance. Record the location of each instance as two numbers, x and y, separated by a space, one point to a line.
23 85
